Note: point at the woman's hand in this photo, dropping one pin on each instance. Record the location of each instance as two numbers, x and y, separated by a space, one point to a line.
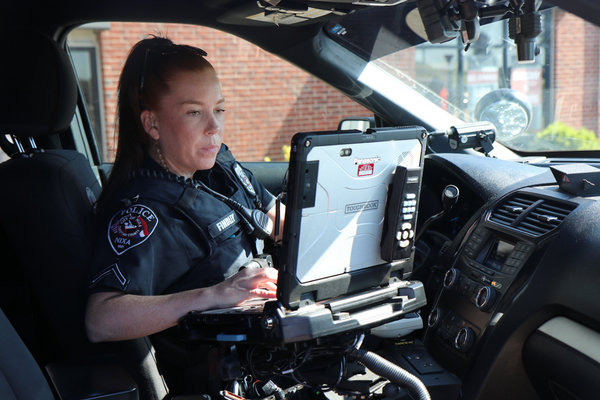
247 284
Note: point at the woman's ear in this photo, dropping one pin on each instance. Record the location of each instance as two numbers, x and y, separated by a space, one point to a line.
149 124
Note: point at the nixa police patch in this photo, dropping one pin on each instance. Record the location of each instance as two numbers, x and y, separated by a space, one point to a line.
244 179
131 227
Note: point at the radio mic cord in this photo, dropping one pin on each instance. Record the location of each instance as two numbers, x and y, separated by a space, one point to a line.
257 222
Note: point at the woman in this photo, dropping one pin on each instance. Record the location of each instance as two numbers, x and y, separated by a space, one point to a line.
172 245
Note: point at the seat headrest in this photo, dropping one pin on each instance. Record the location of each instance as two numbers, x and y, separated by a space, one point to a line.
38 88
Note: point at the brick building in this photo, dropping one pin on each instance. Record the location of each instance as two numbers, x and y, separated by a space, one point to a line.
577 55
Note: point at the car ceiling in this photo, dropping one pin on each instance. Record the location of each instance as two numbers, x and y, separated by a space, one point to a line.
226 15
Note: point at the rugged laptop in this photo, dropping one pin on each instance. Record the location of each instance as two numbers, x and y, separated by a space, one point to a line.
348 245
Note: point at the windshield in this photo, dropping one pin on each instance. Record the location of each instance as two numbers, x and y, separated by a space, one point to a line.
560 88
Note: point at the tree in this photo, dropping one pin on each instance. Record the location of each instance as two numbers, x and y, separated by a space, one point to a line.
560 136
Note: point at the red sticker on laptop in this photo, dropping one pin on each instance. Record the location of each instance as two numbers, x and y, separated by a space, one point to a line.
365 169
131 227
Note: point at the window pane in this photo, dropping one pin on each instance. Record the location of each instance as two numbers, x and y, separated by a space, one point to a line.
84 59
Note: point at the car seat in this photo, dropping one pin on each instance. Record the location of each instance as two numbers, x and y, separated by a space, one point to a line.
47 225
20 376
22 379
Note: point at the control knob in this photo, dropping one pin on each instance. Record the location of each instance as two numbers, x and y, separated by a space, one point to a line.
486 296
451 278
464 339
435 318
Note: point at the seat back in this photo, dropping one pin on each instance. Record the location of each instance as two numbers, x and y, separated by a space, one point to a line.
46 214
20 376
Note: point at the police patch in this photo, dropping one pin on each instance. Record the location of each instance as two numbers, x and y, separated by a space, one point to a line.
131 227
244 179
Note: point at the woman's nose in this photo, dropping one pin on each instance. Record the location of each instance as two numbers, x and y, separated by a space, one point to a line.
213 125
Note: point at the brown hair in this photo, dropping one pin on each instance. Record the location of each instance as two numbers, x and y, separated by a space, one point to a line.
151 63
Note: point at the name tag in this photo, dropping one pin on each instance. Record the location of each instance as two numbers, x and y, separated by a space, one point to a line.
223 225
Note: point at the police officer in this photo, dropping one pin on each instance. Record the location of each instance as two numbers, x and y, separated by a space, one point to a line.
174 236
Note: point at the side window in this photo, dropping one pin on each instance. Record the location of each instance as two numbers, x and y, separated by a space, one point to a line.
267 99
85 49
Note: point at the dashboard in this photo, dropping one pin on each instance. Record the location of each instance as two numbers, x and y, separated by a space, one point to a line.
511 274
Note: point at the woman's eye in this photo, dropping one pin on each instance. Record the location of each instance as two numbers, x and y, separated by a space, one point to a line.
194 113
219 112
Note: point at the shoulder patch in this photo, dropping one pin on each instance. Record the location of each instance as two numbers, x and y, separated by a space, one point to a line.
131 227
244 178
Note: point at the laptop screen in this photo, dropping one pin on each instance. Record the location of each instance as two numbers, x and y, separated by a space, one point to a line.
338 198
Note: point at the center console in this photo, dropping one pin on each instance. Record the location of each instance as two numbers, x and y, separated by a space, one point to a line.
504 246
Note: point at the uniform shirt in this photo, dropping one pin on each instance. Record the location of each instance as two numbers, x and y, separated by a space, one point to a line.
166 235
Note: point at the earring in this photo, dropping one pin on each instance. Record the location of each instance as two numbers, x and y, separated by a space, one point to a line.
159 154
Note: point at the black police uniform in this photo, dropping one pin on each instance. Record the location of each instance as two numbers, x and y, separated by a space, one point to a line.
168 235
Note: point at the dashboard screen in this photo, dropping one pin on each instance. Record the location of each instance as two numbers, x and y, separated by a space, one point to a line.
498 254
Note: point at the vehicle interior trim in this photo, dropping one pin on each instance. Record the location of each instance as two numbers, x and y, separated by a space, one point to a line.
574 335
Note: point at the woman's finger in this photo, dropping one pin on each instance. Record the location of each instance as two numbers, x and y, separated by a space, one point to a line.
264 293
268 285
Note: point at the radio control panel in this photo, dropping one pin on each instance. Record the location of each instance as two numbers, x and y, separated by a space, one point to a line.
488 261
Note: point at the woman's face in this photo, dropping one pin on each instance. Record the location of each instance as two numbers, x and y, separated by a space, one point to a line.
189 122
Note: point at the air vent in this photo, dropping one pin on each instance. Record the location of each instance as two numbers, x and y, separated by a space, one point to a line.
546 216
531 214
507 212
